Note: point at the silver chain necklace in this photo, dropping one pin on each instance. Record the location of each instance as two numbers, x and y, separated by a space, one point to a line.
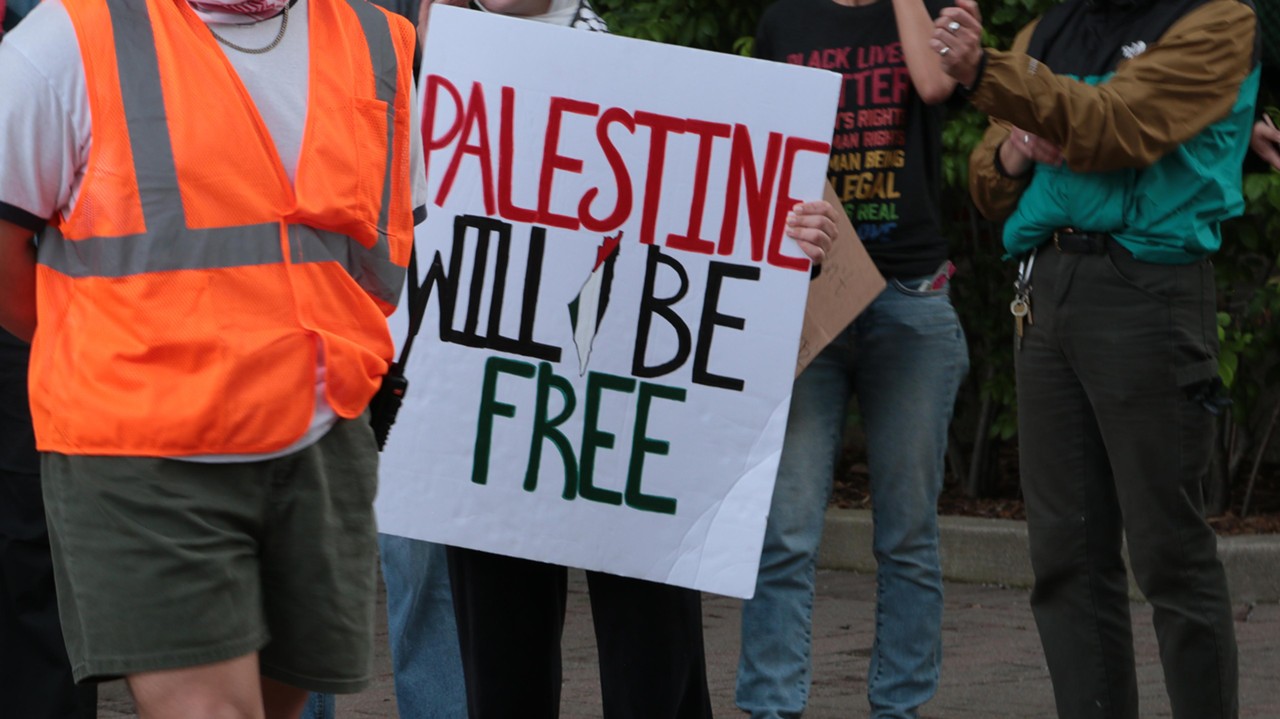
284 24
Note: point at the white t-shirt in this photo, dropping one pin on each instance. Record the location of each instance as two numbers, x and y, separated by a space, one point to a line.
45 137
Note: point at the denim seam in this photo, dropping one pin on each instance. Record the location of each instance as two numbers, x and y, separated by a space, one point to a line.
877 656
806 676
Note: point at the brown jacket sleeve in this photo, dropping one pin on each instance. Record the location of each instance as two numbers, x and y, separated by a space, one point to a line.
995 193
1155 102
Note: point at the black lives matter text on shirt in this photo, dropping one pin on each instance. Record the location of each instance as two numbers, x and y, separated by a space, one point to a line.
886 147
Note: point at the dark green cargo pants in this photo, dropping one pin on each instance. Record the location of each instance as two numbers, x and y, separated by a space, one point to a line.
1116 444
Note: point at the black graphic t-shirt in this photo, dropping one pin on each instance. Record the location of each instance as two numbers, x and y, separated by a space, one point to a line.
886 149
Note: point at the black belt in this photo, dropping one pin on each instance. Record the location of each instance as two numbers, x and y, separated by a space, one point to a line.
1081 243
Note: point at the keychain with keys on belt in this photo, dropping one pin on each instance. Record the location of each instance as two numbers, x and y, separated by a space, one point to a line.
1021 304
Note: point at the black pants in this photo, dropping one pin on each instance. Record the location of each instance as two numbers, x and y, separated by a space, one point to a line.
35 677
510 619
1115 444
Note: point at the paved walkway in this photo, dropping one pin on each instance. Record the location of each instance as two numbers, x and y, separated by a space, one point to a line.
992 669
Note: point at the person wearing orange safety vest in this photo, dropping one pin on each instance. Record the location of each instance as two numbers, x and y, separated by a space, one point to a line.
222 195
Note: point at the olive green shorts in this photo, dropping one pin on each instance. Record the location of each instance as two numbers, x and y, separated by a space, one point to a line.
163 564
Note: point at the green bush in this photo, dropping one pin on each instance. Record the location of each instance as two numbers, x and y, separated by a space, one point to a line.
724 25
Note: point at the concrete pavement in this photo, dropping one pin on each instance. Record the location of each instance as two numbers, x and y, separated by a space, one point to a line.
992 668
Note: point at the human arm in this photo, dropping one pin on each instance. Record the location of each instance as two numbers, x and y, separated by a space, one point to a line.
813 226
999 170
17 281
44 140
915 28
1152 104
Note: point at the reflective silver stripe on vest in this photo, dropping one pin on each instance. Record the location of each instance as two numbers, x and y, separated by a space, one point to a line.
168 244
139 71
164 252
386 69
371 268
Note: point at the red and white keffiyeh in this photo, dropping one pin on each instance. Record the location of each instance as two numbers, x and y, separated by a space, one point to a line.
236 12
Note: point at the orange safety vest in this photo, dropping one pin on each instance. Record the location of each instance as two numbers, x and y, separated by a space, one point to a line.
181 303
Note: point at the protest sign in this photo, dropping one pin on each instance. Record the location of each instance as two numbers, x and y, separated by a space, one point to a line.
603 373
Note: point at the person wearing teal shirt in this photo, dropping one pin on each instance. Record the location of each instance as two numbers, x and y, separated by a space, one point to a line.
1118 132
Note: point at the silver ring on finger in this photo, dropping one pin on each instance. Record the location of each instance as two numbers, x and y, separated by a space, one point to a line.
1026 139
953 26
945 49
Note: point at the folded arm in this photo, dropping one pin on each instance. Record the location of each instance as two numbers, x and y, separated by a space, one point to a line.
17 281
1154 102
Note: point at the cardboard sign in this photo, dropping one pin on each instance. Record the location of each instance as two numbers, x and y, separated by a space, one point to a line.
603 373
848 283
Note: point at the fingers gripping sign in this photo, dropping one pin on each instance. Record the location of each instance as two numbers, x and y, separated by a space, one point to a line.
813 226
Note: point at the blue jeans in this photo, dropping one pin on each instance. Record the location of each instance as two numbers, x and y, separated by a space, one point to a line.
904 358
422 632
319 706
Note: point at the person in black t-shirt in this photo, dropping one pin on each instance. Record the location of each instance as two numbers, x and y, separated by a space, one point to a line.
903 358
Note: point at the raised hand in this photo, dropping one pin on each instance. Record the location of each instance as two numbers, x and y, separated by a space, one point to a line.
957 37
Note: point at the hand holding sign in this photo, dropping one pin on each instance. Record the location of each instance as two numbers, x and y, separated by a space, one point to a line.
813 226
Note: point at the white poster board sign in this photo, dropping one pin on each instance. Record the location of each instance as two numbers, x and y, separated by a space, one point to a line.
603 372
